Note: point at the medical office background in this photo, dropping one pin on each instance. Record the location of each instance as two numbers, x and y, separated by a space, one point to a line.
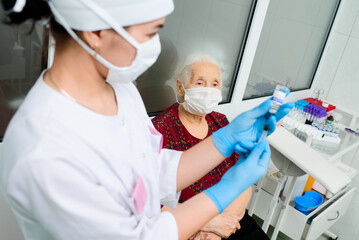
305 45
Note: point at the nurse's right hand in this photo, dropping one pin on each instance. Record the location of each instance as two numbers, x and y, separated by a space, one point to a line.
244 131
240 177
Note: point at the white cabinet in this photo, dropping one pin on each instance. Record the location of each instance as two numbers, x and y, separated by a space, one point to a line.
293 157
295 224
330 215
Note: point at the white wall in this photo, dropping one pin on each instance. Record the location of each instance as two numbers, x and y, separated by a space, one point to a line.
339 71
338 75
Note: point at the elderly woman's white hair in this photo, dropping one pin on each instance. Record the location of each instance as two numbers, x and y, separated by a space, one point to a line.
186 71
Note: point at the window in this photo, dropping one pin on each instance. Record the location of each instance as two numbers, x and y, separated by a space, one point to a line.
291 43
22 57
217 28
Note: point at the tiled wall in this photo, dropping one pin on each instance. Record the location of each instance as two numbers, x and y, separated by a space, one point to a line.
339 72
339 77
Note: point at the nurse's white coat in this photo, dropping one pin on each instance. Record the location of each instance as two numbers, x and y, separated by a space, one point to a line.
69 173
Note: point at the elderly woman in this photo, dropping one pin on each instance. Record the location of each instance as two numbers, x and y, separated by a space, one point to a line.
187 123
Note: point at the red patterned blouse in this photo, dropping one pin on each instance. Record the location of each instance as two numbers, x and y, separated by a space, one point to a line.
176 136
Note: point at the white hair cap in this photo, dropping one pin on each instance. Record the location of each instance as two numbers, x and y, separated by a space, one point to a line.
126 12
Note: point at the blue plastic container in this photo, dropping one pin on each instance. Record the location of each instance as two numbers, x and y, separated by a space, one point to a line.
308 202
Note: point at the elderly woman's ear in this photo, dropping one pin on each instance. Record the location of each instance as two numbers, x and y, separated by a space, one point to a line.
180 90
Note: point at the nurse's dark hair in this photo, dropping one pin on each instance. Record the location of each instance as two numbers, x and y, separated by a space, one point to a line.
34 10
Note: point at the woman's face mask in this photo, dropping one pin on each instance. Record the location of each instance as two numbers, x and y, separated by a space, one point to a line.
146 53
202 100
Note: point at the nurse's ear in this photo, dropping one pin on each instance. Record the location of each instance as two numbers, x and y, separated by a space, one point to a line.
180 90
93 39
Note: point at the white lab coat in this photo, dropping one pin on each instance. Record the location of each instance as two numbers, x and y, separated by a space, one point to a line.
69 172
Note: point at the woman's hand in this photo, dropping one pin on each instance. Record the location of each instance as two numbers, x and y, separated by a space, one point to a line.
201 235
223 225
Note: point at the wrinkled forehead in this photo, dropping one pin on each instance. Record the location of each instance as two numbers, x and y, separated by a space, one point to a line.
205 69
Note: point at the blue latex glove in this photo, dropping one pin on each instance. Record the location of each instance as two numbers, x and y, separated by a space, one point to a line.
240 177
245 130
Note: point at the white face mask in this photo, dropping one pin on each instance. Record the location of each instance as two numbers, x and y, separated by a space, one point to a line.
202 100
146 56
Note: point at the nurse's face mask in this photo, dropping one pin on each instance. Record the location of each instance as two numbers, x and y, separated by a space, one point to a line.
147 52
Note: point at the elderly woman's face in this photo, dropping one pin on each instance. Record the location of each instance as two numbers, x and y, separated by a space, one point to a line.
204 74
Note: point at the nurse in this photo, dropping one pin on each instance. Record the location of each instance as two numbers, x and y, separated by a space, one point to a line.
81 158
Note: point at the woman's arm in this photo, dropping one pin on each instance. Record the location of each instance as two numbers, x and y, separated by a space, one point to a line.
196 162
193 214
238 206
205 235
235 212
227 223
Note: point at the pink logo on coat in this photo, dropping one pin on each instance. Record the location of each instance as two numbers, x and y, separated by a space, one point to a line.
154 131
139 195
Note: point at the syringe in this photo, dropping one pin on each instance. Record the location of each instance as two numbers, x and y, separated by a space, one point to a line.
277 100
264 133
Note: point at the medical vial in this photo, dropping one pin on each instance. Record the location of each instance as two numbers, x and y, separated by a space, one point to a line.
277 100
278 97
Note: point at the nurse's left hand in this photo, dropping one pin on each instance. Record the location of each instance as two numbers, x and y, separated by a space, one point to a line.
245 130
240 177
